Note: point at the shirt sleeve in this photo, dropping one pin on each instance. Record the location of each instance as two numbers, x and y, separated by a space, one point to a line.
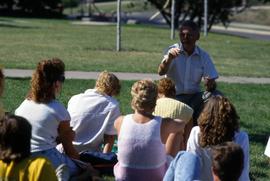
209 67
244 143
61 112
115 113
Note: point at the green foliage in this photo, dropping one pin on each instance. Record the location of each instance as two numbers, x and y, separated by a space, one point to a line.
70 3
218 11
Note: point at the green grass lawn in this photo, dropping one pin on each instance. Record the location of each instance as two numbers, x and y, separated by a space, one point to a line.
91 48
251 101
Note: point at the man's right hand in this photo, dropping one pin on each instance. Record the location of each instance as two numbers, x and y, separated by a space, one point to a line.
173 53
164 66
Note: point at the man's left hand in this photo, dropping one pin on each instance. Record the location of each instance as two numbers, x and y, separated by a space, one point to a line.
210 84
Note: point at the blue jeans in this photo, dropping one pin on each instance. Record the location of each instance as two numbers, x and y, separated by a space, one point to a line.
185 167
58 159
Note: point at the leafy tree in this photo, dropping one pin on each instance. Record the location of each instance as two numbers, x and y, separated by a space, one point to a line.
218 10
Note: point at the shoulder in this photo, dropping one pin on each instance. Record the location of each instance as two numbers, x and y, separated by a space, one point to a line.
112 101
59 110
202 53
195 131
241 136
173 125
56 105
118 122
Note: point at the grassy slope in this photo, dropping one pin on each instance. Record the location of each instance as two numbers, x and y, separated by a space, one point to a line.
91 48
251 101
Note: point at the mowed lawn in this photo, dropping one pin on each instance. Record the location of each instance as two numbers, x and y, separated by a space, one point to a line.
251 101
92 48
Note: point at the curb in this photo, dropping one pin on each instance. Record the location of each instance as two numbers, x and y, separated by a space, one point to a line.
27 73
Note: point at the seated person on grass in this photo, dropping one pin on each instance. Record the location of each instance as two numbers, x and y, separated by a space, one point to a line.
16 162
218 123
92 117
141 137
168 106
227 164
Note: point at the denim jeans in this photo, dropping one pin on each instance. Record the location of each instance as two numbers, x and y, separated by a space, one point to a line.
58 159
184 167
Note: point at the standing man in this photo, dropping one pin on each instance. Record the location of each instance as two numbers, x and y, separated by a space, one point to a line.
186 64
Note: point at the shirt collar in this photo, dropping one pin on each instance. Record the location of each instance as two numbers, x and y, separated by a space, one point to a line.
196 51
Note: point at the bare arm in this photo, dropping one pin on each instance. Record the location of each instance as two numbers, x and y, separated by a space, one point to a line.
108 143
66 136
118 123
172 135
165 64
169 126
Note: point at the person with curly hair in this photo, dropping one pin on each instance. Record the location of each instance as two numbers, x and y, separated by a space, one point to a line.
141 137
168 106
48 117
218 123
16 162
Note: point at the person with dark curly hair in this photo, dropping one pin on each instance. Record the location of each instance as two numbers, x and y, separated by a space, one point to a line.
168 106
141 137
16 162
218 123
48 117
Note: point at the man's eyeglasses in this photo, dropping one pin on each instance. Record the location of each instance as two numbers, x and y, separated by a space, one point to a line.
187 35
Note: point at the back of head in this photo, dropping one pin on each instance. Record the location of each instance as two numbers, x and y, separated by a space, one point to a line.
218 121
228 161
107 83
144 95
15 135
166 87
42 83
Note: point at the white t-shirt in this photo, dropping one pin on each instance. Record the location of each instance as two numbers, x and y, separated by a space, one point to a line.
240 138
45 119
92 116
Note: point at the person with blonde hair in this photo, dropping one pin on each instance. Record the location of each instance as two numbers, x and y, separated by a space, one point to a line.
93 113
48 117
141 137
218 123
168 106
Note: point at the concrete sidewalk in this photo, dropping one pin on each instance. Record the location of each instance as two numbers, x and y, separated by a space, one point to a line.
20 73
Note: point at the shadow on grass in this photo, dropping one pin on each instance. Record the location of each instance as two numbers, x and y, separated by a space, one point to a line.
4 25
259 138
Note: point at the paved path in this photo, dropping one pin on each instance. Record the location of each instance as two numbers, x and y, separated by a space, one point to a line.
19 73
